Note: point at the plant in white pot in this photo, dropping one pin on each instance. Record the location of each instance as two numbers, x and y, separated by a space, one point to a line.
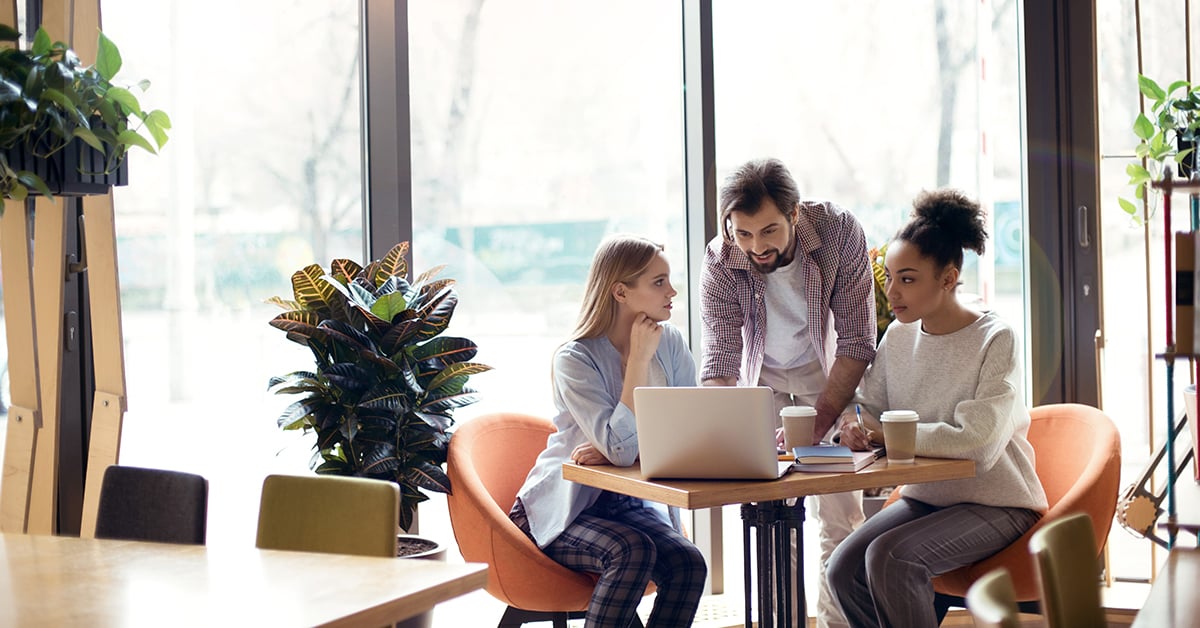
386 382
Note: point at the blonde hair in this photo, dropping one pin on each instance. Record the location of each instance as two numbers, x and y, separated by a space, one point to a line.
620 258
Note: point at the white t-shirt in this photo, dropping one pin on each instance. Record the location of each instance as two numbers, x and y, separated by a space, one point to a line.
788 343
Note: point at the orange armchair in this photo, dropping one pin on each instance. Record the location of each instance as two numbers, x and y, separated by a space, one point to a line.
1078 453
487 462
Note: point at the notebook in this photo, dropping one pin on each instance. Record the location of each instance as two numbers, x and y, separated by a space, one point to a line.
823 453
856 461
707 432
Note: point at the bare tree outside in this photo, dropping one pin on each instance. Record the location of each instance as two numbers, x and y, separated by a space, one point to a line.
444 136
955 37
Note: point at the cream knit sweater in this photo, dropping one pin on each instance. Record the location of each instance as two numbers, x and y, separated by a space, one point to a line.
967 388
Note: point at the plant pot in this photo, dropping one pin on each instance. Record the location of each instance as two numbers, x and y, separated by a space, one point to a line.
418 547
1188 165
413 546
76 169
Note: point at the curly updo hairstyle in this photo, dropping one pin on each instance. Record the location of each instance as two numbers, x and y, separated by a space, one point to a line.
943 223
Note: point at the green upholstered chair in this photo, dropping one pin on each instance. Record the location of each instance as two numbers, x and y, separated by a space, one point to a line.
992 600
326 513
1064 552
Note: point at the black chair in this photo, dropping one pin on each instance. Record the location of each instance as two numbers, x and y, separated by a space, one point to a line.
152 505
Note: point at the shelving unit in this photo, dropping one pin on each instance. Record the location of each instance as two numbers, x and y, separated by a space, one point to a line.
1169 186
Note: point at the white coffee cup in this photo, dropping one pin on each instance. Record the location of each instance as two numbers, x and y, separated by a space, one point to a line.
900 435
799 423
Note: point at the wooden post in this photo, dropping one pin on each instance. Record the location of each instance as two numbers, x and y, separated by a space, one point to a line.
24 414
49 275
108 409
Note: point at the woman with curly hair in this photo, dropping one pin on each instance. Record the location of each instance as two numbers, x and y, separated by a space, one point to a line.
959 369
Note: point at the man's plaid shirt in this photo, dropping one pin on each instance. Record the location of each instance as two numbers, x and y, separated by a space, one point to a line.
837 277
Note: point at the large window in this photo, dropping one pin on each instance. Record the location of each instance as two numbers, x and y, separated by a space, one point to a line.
538 128
261 176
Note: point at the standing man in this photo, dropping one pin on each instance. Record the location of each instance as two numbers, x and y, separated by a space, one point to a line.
786 302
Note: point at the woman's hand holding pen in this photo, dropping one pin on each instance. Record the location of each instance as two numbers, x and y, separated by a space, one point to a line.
856 435
853 436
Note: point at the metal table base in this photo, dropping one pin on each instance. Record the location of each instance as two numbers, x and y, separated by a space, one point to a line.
776 527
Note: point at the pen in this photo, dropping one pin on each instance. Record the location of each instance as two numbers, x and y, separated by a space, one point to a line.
858 415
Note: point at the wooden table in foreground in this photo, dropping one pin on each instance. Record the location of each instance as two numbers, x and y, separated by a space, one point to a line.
764 511
1173 600
66 581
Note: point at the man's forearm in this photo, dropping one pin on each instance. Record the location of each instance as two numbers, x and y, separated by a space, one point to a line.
844 376
721 381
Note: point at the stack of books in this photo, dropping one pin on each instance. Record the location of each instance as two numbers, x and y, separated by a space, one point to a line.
833 458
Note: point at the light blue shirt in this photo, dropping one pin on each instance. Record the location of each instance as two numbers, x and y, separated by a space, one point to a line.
588 380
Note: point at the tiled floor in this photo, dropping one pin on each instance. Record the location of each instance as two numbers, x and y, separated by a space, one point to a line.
481 609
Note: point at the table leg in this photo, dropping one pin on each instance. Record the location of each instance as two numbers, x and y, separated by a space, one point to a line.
747 594
781 538
791 522
775 525
759 517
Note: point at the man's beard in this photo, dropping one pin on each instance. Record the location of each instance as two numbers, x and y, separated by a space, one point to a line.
771 267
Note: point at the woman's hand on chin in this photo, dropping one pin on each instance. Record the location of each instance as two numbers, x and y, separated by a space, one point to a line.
643 338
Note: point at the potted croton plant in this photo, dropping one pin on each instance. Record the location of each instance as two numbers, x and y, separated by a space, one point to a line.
386 381
65 127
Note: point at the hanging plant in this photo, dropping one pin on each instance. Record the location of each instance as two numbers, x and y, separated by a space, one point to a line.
50 101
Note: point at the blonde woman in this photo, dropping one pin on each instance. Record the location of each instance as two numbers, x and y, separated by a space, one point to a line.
622 341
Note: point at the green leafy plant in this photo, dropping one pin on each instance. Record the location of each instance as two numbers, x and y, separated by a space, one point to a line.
386 381
48 99
883 308
1168 134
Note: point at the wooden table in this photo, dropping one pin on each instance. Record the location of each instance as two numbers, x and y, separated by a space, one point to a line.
67 581
764 512
1173 599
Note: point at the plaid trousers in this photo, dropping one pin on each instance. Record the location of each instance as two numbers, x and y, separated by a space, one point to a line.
628 545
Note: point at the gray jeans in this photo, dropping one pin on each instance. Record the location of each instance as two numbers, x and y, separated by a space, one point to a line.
882 574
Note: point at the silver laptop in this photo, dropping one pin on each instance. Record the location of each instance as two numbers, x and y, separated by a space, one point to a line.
707 432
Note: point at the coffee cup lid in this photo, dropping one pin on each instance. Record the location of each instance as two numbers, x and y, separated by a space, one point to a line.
798 411
899 415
